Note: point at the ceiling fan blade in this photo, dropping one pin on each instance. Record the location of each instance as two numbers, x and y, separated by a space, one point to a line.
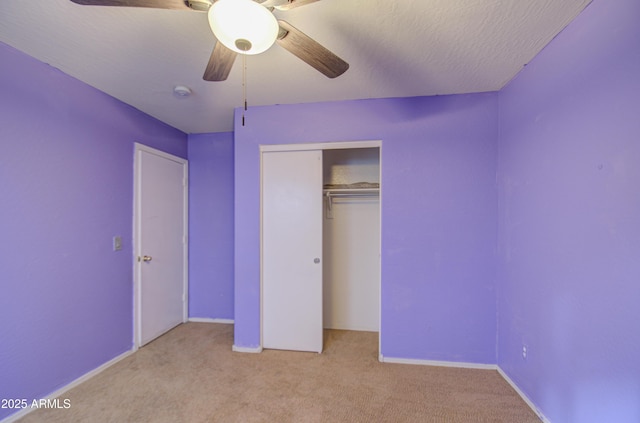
220 63
310 51
286 4
156 4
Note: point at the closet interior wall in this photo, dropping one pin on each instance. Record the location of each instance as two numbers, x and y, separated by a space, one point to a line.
351 243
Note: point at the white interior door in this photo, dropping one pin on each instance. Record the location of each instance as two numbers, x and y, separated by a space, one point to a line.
161 199
292 250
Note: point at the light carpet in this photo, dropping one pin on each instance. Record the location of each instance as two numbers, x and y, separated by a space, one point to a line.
191 375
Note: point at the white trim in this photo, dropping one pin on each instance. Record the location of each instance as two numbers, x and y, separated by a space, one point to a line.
261 253
209 320
438 363
338 145
380 184
14 417
523 396
464 365
251 350
137 274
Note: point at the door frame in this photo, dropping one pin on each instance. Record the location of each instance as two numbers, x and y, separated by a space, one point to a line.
338 145
137 228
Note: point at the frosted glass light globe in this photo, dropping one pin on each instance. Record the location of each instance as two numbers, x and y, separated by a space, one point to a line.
243 26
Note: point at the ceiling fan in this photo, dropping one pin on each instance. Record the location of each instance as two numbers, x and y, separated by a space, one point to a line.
245 27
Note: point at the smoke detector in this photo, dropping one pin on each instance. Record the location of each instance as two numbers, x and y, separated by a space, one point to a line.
181 91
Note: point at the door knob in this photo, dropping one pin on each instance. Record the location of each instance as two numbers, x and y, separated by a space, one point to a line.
147 258
316 260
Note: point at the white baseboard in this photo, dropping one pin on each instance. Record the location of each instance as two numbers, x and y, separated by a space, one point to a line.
437 363
469 366
523 396
14 417
254 350
208 320
71 385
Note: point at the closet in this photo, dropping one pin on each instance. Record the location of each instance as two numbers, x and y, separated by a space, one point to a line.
320 243
351 239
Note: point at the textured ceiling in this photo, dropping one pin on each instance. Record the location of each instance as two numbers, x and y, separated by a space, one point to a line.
394 48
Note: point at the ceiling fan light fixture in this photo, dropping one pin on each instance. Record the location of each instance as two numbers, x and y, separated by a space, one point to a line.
243 26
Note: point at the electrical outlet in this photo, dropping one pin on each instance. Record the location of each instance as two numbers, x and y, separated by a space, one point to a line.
117 243
524 352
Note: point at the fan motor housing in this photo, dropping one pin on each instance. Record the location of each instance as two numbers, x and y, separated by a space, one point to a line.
199 5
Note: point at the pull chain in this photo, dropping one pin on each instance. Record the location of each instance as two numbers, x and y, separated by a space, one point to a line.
244 85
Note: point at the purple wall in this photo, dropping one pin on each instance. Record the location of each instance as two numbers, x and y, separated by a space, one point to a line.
569 170
66 188
563 137
439 211
211 225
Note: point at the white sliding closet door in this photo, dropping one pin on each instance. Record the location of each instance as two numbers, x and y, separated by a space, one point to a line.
292 250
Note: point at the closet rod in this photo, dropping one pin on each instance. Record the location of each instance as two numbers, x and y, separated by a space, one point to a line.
346 192
350 191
